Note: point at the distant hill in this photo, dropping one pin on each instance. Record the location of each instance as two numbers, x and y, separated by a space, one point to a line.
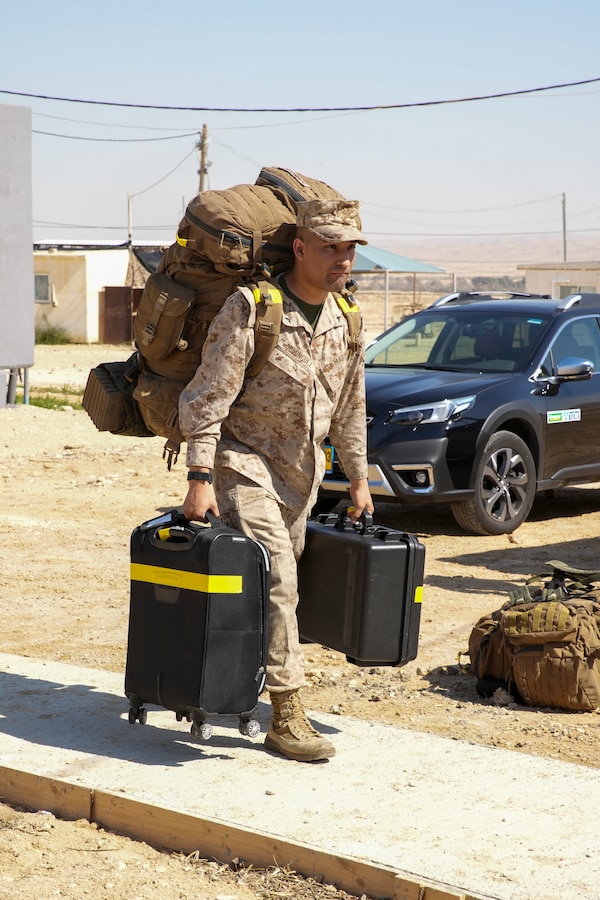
494 256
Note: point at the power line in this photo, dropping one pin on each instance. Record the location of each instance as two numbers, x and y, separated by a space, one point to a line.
455 211
473 234
41 222
164 177
75 137
380 106
410 234
105 124
258 125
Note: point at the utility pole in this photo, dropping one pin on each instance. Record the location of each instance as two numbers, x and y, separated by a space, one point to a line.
564 226
202 146
129 222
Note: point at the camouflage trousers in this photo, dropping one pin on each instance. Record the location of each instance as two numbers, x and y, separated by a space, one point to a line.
254 511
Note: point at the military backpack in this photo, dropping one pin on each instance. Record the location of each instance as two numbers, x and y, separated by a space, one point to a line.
241 236
543 644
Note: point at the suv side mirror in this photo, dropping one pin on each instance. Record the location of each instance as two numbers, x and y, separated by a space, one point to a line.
570 368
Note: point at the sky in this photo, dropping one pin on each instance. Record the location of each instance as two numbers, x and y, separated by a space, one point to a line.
369 78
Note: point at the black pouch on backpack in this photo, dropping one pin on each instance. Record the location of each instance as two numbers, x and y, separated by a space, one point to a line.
108 398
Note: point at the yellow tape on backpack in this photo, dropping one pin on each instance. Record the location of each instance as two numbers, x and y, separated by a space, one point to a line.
189 581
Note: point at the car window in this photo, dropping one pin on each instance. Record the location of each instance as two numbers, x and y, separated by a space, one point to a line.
580 339
460 340
409 344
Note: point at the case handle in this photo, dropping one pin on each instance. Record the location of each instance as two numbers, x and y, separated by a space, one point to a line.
363 526
209 519
172 530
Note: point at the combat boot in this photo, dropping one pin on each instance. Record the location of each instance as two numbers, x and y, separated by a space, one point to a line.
290 732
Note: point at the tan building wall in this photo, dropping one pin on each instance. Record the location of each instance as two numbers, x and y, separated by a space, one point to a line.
561 280
77 279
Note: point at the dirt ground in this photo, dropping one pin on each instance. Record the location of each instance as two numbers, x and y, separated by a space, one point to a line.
70 499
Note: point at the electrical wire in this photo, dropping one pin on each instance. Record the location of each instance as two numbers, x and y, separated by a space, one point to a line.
328 109
104 124
41 222
440 212
372 234
160 180
303 121
76 137
474 234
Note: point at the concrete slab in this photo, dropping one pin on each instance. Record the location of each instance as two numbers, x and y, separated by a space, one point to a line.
490 822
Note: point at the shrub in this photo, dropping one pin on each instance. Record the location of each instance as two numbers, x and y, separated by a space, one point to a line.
51 334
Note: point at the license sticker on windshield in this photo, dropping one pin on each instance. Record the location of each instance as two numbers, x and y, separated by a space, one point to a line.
329 457
563 415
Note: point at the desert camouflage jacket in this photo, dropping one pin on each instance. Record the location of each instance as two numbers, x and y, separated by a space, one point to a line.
271 427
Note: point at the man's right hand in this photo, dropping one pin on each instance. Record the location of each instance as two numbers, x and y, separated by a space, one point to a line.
199 500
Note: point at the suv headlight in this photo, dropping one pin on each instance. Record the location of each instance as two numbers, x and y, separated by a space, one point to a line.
443 411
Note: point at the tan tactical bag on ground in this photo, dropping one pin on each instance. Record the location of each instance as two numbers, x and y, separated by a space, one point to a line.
543 645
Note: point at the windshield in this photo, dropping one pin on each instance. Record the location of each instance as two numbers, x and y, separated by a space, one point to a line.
460 340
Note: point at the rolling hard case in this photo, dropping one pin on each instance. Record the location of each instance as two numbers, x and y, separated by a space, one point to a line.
360 587
197 639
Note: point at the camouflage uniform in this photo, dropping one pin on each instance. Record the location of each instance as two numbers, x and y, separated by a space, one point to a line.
263 436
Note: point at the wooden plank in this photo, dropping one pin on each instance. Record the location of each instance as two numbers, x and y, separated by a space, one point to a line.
39 792
213 839
405 889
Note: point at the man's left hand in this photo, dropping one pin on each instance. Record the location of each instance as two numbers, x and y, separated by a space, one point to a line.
361 498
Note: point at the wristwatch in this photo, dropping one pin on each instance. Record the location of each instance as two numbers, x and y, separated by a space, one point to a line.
200 476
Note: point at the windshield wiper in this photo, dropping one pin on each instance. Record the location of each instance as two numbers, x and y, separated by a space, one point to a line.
396 365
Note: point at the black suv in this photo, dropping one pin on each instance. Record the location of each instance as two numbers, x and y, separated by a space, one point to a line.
481 400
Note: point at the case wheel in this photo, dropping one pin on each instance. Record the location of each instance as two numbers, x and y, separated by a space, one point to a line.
202 730
138 714
249 728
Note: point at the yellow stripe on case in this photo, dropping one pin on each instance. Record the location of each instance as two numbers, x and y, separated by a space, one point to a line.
190 581
419 594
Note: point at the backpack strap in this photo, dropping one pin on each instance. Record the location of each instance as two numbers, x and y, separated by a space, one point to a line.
174 441
269 313
581 576
267 328
564 581
353 315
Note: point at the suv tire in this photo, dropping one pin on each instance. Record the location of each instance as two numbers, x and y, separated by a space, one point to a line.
503 489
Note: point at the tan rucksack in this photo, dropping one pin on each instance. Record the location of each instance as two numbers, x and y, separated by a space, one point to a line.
543 645
241 236
228 234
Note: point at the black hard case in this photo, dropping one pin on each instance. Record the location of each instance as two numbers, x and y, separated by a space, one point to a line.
360 590
199 650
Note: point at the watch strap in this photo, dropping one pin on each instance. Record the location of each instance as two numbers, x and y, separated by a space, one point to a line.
200 476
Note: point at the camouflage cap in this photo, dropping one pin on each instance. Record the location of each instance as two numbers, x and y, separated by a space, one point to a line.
334 221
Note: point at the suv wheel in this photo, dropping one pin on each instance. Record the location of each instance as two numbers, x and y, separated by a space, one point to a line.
504 487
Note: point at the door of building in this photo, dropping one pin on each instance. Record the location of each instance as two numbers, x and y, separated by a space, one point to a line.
117 309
